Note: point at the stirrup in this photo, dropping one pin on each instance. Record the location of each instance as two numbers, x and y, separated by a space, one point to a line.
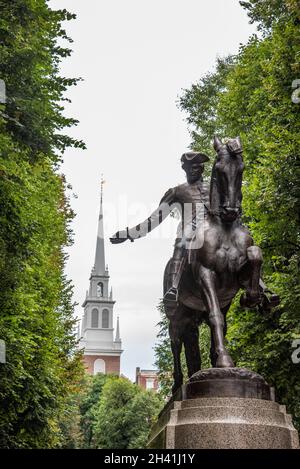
171 294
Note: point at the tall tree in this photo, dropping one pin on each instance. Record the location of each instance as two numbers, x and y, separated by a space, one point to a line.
267 13
125 415
36 311
88 408
253 100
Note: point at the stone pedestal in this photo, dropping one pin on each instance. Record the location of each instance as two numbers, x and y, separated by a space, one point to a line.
224 408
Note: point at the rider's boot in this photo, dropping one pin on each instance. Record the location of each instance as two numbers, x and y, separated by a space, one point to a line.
172 294
176 268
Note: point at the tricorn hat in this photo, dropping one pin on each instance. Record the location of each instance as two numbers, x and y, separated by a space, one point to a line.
193 157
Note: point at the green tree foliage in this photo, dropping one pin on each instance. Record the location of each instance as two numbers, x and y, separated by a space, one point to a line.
124 415
88 407
29 63
164 357
268 12
70 432
36 311
200 104
252 98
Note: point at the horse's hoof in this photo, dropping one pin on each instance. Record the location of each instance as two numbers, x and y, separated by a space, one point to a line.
249 301
274 300
224 361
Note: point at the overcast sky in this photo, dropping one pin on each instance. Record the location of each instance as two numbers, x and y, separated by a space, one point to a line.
135 57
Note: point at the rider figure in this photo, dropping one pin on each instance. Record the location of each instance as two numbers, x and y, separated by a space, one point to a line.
192 199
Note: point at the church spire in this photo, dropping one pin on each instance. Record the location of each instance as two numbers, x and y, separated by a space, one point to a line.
99 268
101 352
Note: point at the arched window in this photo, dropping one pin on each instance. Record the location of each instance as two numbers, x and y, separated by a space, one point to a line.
95 318
100 289
99 366
105 319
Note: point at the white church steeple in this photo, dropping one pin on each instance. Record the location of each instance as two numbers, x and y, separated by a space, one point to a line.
101 352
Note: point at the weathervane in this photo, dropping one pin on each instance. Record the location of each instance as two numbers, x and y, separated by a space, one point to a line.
102 181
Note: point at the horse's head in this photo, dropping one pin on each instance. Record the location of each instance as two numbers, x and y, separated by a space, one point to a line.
226 193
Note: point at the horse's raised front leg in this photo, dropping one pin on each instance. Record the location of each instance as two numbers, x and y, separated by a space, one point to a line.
250 277
206 279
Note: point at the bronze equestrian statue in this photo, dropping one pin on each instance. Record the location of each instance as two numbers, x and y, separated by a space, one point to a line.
185 197
213 259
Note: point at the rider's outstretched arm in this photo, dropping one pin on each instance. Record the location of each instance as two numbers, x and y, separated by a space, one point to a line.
142 229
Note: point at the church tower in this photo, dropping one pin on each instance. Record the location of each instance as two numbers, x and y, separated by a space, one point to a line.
102 350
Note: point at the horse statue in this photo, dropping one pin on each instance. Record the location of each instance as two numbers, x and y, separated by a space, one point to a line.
225 261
